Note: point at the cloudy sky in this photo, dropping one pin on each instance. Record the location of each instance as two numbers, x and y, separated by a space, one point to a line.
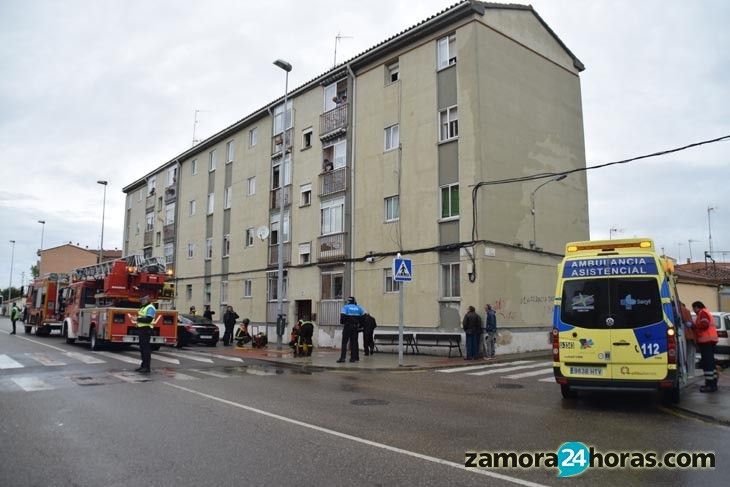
107 89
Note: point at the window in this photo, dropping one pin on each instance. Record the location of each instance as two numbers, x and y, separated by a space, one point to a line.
189 292
212 160
230 151
206 293
332 285
252 137
448 124
392 137
307 139
305 251
169 251
274 236
335 95
151 185
336 153
276 176
251 186
208 248
159 203
211 203
150 222
450 285
137 229
191 208
224 292
194 167
332 212
272 289
171 176
392 208
158 239
170 214
247 288
392 73
227 196
279 117
305 193
446 51
450 201
226 245
191 250
391 286
248 242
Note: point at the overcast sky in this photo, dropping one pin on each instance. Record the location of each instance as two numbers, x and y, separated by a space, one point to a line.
107 89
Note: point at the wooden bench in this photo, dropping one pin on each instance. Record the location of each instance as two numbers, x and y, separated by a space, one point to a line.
431 339
391 339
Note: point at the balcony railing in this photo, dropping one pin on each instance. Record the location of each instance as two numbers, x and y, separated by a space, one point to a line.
331 247
168 232
170 194
274 254
328 311
148 237
274 197
333 181
277 141
150 201
333 121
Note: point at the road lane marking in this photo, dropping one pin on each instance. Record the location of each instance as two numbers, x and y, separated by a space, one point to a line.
30 384
383 446
44 359
211 373
222 357
8 363
189 357
87 359
510 369
548 379
529 374
131 377
157 356
485 366
118 356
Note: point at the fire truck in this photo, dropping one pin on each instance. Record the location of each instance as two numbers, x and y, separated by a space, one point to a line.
44 310
102 300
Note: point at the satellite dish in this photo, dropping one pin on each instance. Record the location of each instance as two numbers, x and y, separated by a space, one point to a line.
262 233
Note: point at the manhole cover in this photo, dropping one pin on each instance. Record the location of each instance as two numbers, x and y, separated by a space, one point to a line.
369 402
508 386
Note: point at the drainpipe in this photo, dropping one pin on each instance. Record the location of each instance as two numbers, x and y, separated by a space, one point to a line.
177 230
352 182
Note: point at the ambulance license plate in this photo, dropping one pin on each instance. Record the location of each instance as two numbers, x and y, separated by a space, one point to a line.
586 371
206 337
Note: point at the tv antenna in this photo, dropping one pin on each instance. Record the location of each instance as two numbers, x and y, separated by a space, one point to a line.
339 37
195 125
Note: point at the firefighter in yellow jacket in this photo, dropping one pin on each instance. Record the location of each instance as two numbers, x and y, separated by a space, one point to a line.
145 317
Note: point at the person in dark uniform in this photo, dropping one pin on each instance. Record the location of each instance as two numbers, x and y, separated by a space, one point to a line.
207 313
350 317
145 317
368 328
14 315
229 322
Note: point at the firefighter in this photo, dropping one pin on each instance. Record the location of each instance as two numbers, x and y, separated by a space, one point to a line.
304 344
706 336
14 315
145 317
350 319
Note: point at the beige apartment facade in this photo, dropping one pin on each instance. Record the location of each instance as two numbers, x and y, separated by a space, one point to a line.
381 155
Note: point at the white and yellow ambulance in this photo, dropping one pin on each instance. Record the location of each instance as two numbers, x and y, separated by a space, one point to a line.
615 319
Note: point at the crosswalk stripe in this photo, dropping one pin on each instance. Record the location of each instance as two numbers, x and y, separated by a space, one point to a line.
225 357
485 366
30 384
510 369
179 376
44 359
211 373
169 360
548 379
131 377
118 356
8 363
190 357
529 374
87 359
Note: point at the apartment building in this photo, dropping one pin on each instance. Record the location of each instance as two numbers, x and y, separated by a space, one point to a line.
382 154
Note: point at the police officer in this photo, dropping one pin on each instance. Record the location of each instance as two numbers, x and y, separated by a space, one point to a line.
14 315
145 317
350 317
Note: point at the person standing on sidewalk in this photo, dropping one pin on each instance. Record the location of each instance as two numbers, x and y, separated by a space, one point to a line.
145 317
229 321
490 335
207 313
706 336
472 325
350 319
368 329
14 315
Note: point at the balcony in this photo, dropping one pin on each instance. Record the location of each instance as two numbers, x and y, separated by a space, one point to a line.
150 201
331 247
274 254
333 122
148 237
328 311
331 182
170 194
278 140
274 197
168 232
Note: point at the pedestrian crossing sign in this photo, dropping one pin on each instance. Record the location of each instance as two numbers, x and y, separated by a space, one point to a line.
402 270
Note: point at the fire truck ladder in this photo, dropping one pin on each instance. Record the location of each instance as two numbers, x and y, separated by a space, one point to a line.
135 263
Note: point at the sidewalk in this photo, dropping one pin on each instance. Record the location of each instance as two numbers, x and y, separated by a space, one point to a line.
713 407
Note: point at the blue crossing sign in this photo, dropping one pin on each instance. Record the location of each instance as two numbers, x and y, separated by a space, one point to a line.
402 270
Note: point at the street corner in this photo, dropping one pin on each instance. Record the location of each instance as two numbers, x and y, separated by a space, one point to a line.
713 407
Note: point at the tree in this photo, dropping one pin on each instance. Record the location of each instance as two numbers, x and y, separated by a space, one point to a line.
35 272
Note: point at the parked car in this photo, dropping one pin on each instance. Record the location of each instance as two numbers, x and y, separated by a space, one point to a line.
193 329
722 323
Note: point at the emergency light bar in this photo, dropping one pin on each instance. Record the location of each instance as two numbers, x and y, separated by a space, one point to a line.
609 245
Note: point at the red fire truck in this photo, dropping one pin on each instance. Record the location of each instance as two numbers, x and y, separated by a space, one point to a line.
44 311
102 300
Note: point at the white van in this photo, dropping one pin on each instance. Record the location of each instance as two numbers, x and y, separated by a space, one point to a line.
722 323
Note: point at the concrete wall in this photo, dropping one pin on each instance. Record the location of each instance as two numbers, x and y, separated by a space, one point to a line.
65 258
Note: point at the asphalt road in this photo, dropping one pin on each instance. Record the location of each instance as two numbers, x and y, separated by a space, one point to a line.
212 420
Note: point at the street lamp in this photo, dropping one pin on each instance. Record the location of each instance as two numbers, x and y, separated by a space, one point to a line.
280 318
533 243
12 258
103 210
43 229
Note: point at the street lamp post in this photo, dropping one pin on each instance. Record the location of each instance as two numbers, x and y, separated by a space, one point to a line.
533 243
43 230
280 317
12 258
103 210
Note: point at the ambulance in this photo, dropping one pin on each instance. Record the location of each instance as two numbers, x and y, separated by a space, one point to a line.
616 320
